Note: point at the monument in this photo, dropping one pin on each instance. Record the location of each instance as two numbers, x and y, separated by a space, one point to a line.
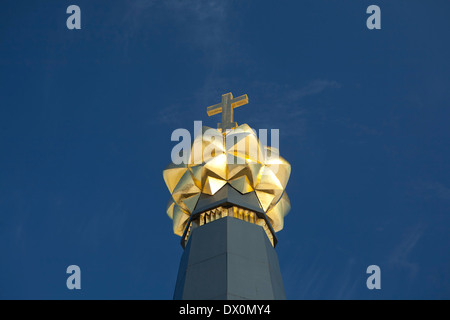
227 203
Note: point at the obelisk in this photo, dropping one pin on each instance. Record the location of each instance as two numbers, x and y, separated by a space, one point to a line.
228 201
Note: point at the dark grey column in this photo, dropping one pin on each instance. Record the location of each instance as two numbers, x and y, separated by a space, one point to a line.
229 259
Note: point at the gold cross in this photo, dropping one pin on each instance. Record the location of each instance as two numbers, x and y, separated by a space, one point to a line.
226 107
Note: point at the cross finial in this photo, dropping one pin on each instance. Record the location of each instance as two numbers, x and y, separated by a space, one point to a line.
226 108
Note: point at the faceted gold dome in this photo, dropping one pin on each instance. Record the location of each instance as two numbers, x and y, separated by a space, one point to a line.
236 158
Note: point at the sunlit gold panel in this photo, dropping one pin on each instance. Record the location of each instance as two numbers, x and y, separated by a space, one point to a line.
172 175
268 180
234 166
254 170
244 143
185 188
265 199
180 219
212 185
276 197
278 212
170 207
191 201
218 165
197 173
280 167
241 184
212 145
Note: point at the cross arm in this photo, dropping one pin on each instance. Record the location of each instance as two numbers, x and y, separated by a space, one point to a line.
239 101
215 109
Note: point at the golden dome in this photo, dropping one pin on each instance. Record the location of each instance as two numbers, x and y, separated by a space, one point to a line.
235 158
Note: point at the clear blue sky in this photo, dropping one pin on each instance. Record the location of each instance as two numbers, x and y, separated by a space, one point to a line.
86 117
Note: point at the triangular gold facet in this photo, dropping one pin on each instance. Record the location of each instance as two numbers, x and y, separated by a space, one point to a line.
196 172
254 169
180 219
218 165
280 167
185 188
212 185
268 180
234 165
241 184
191 202
265 199
278 212
172 175
170 207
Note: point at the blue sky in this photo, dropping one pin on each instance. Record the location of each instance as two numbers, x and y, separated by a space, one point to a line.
86 117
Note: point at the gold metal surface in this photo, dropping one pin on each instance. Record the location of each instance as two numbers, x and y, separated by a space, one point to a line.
278 212
212 185
229 155
241 184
